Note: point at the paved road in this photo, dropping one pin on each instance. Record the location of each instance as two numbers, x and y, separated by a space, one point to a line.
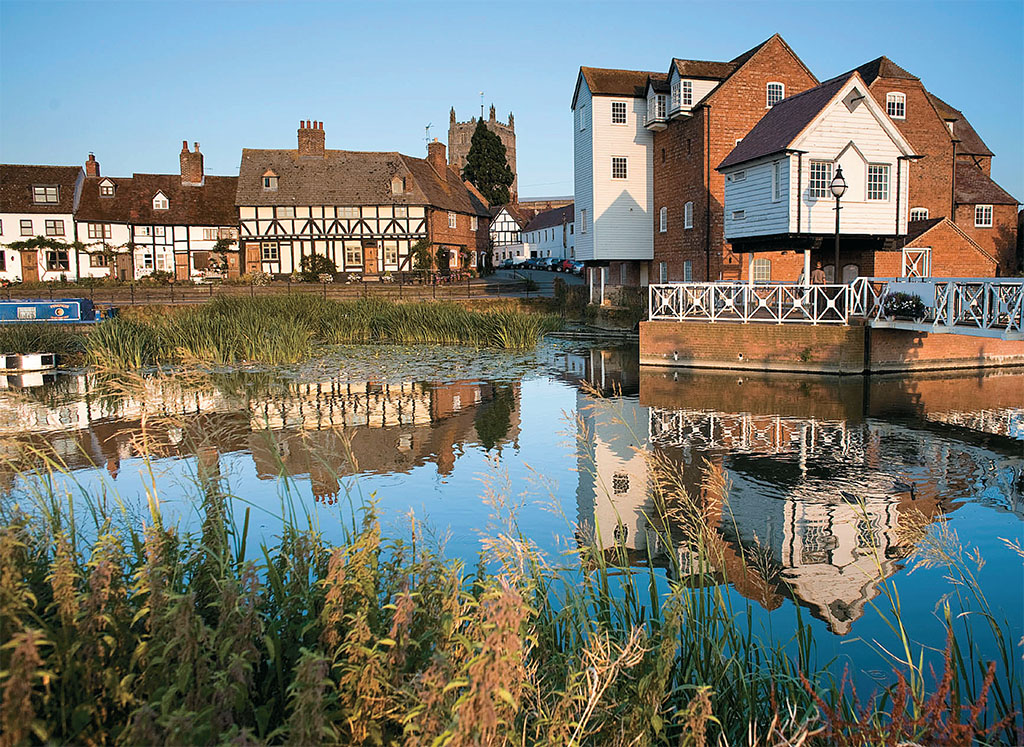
544 279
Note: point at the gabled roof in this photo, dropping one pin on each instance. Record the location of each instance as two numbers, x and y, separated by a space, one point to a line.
970 142
659 85
919 228
882 67
781 125
974 186
611 82
520 215
702 68
739 62
344 177
554 217
96 209
212 204
16 182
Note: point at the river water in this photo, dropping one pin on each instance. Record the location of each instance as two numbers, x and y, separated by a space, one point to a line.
831 480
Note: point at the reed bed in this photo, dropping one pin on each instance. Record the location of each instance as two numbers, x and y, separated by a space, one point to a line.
40 338
121 630
286 329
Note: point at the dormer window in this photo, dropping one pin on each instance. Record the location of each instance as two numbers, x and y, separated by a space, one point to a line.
896 105
397 185
45 195
660 106
269 181
687 89
776 92
106 188
160 202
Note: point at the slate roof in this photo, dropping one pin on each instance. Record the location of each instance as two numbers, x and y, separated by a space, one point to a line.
784 122
16 182
95 209
344 177
970 142
704 68
553 217
882 67
917 228
974 186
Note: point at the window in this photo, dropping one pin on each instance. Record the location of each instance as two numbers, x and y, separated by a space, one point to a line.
286 212
850 273
620 483
688 215
160 202
878 181
270 251
55 228
776 93
397 185
26 227
452 220
144 231
583 220
270 183
99 230
663 272
3 261
348 212
687 92
97 260
618 167
619 112
660 106
581 115
201 261
474 223
164 262
159 231
622 273
209 234
918 214
740 176
821 177
663 218
391 252
42 195
761 270
687 271
739 214
675 96
776 181
896 105
353 254
57 260
983 216
401 211
106 189
147 260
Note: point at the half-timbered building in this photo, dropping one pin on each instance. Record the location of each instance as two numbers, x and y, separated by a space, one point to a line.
363 210
38 202
507 224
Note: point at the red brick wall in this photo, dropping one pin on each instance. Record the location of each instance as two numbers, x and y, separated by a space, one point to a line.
952 255
900 350
679 176
460 236
1000 241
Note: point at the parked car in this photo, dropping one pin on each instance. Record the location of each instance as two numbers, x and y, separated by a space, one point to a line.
577 268
565 265
508 264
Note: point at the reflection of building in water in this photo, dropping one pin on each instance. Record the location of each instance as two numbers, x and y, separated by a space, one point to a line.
324 429
608 370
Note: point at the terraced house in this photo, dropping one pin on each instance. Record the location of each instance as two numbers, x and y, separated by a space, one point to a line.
363 210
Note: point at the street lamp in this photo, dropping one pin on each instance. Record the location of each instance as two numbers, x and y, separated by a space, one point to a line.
838 187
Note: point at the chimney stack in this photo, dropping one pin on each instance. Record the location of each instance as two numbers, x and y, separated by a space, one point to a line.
311 139
191 166
436 157
92 166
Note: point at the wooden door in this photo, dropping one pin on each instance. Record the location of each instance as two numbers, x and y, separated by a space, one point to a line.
125 271
30 267
252 258
181 266
370 260
232 258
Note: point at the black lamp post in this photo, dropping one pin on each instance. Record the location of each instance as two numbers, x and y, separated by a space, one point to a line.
838 188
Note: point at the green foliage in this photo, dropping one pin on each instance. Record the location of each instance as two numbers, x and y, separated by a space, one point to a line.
487 165
312 266
423 256
903 304
41 338
494 418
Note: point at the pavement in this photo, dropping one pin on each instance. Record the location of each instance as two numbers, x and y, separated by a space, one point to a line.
545 280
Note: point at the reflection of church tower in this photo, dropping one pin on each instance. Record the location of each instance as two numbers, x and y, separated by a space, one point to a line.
460 135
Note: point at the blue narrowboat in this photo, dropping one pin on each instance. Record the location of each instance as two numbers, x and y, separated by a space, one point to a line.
62 310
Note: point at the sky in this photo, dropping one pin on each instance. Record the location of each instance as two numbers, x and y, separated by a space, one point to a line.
129 81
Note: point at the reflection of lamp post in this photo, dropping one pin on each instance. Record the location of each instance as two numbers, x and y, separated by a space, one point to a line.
838 187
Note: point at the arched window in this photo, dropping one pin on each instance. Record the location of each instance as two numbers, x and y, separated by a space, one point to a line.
663 219
776 93
850 273
918 214
761 270
896 105
830 274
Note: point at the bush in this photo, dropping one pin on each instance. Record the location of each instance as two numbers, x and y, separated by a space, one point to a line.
314 266
905 305
158 277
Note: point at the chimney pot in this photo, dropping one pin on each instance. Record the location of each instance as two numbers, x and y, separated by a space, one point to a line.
197 147
92 166
184 145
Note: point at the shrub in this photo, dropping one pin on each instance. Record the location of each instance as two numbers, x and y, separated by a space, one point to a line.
314 266
904 305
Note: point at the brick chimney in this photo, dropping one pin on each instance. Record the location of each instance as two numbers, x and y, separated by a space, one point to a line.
92 166
191 166
311 139
436 156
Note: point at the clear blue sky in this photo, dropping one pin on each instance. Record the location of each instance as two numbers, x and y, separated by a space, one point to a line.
129 81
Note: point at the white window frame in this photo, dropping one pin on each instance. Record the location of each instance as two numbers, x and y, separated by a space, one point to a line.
270 183
688 215
780 89
687 271
739 214
390 252
920 212
286 211
348 212
776 181
625 167
474 223
983 216
26 227
106 189
663 272
209 234
687 92
160 201
660 106
159 230
819 187
401 211
270 251
761 270
877 190
896 105
615 111
45 194
583 220
54 227
353 255
453 220
663 220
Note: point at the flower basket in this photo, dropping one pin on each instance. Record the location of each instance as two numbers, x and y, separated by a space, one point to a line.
903 306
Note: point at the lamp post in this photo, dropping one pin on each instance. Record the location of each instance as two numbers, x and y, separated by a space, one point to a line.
838 188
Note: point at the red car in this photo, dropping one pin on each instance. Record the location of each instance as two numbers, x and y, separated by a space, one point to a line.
566 265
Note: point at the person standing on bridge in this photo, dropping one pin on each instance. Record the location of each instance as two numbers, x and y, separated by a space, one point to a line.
818 275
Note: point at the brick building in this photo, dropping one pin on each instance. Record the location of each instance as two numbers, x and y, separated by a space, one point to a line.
460 137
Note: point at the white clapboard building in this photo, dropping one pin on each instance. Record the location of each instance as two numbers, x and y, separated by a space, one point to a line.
551 233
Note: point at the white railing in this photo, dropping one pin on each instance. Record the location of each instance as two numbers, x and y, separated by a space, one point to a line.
771 303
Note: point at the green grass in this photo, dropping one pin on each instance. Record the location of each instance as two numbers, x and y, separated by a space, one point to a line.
285 329
40 338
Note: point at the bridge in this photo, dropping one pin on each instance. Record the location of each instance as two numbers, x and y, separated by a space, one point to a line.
981 307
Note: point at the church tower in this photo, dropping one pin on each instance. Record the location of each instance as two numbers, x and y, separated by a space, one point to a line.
460 135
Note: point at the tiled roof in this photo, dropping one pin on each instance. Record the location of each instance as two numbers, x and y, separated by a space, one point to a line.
553 217
974 186
609 82
345 177
212 204
94 208
916 228
520 215
784 122
882 67
703 68
16 182
970 142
